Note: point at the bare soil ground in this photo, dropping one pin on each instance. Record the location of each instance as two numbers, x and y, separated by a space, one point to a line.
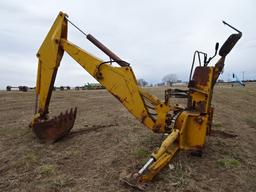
107 142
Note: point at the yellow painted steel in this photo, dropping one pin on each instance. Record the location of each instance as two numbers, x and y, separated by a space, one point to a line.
119 81
160 163
191 124
192 130
49 57
162 156
166 144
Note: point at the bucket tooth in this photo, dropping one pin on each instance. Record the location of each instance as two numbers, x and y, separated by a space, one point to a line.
49 131
70 115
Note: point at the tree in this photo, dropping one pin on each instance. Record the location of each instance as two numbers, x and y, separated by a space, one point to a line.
170 79
142 82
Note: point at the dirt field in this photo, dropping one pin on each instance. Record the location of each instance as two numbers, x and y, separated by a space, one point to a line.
107 142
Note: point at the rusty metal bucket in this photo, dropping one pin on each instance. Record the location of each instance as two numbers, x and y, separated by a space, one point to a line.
51 130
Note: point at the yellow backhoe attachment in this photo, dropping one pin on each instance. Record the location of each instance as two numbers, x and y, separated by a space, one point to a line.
186 127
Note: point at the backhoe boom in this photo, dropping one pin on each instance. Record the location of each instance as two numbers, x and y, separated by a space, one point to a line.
119 81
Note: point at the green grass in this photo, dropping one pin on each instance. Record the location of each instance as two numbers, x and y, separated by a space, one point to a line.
61 182
30 160
228 163
142 156
217 124
47 169
31 157
141 153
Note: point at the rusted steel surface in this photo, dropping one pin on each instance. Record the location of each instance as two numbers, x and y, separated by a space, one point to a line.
201 105
107 51
51 130
209 124
175 93
201 75
156 128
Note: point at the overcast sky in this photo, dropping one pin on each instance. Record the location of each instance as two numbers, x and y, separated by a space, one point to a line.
156 37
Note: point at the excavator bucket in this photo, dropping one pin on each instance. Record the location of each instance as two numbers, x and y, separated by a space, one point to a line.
49 131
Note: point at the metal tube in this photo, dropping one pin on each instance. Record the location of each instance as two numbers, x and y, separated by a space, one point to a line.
106 50
151 160
225 23
102 47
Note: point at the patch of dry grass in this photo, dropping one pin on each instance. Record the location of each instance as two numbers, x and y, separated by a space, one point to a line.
228 162
47 169
61 182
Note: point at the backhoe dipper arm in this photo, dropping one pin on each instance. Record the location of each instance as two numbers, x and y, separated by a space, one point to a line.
49 57
119 81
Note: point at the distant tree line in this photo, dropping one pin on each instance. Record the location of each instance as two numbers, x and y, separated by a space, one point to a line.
168 79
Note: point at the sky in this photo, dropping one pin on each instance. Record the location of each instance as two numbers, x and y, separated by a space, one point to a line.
156 37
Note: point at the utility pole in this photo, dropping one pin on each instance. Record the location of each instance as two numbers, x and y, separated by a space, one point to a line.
243 75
